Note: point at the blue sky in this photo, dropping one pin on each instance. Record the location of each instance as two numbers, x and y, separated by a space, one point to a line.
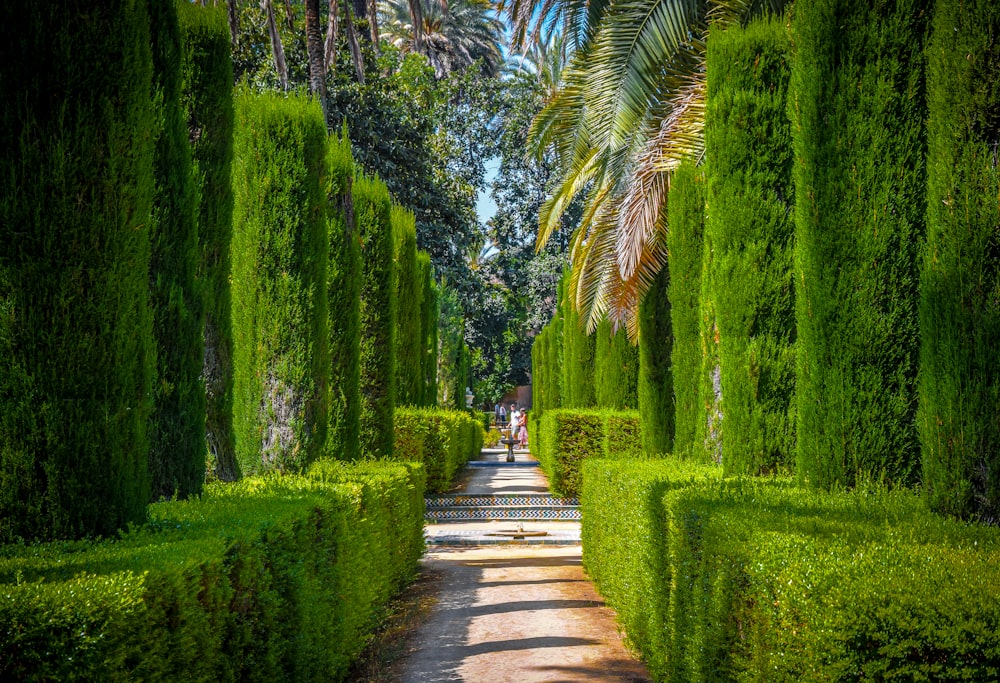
485 206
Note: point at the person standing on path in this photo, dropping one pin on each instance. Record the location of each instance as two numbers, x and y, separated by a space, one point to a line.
515 420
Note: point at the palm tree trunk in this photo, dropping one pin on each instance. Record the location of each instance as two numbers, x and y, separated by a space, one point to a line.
352 41
417 18
332 33
279 52
234 21
373 23
289 15
314 48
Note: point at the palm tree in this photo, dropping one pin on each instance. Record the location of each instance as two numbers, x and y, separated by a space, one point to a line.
451 36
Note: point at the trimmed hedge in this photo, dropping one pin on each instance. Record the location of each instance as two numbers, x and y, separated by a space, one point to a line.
207 95
409 289
280 252
656 376
960 280
277 578
616 369
443 440
748 154
576 384
372 206
685 240
429 313
76 153
343 300
177 425
858 108
563 438
754 579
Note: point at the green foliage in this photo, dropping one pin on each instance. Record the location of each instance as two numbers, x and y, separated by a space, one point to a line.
177 425
686 218
372 206
451 369
576 387
443 440
343 299
616 369
280 253
429 314
545 369
76 154
409 293
278 578
207 95
960 279
858 107
752 579
656 376
749 159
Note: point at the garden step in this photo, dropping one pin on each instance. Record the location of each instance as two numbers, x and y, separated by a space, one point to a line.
498 500
502 512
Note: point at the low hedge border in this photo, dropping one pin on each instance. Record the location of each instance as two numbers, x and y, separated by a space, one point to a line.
562 438
755 579
270 578
443 440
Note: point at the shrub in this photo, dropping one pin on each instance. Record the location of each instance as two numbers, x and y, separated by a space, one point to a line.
753 579
959 320
280 251
616 369
656 378
409 343
372 206
75 321
430 312
443 440
207 95
749 159
576 386
177 425
858 107
343 299
686 218
278 578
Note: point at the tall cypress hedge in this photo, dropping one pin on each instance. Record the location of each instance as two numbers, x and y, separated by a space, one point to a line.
576 387
709 427
207 94
858 107
409 345
429 312
76 340
748 154
616 369
177 428
372 208
960 284
280 252
343 300
656 380
685 240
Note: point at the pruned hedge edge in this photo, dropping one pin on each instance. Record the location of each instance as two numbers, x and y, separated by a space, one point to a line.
443 440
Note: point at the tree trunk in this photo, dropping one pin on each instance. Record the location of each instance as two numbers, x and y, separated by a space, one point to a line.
332 33
234 21
417 18
279 52
314 48
352 40
373 23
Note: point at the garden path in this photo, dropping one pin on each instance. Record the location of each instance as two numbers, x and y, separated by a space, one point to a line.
513 612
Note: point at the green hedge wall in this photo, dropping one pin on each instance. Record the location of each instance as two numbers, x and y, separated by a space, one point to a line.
443 440
177 425
76 155
409 343
754 579
576 384
685 239
428 329
616 369
343 300
372 207
748 152
858 107
277 578
563 438
656 378
280 252
960 280
207 95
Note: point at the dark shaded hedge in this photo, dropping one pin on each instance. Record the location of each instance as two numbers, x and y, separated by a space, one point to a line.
656 377
177 426
76 154
576 385
409 296
754 579
372 207
748 151
343 300
280 252
267 579
960 284
616 369
685 240
429 313
858 106
207 95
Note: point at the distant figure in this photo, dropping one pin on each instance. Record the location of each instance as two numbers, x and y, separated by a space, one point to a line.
496 414
503 418
522 432
515 420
